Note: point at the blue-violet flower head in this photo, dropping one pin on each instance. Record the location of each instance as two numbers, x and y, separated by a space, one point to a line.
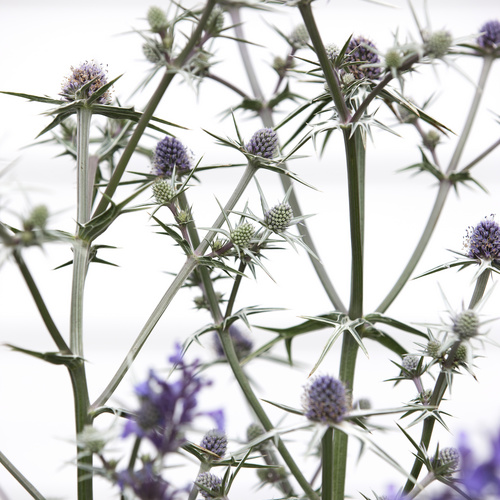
170 153
146 483
490 35
361 50
483 241
263 143
325 400
215 441
85 73
211 482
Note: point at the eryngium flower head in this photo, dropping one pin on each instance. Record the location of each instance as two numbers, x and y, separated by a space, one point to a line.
242 235
490 35
483 240
37 218
157 19
215 441
448 460
170 153
211 482
215 22
271 476
299 37
410 363
466 324
146 483
438 43
360 50
325 400
163 191
278 217
253 432
263 143
85 73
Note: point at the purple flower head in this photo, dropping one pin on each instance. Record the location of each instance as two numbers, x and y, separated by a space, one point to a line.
483 241
242 344
170 153
263 143
146 483
166 408
325 400
211 482
361 51
85 73
490 35
215 441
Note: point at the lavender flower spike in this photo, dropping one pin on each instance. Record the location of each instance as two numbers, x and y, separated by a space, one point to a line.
490 35
85 73
325 400
483 240
170 153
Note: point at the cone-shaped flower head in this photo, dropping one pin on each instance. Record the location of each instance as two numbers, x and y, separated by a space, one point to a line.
325 400
466 324
483 240
410 363
278 218
37 218
490 35
449 459
146 483
163 191
360 50
157 19
215 441
211 482
215 22
438 43
242 235
85 73
263 143
299 37
170 153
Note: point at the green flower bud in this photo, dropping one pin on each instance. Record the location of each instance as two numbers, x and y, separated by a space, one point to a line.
274 475
299 37
278 218
449 459
242 235
91 439
438 44
37 218
157 19
432 139
253 432
433 348
215 21
393 58
153 51
461 354
163 191
466 324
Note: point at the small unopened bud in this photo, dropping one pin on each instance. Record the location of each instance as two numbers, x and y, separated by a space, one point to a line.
263 143
271 475
410 363
438 44
278 217
393 58
91 440
152 51
253 432
157 19
432 139
332 51
299 37
163 191
37 218
242 235
466 324
461 354
215 21
433 348
448 459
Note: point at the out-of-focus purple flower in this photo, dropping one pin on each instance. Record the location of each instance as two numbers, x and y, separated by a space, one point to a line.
242 344
483 240
325 400
170 153
166 408
490 35
85 73
146 484
360 51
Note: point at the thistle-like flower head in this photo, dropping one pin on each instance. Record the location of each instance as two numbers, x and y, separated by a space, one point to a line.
211 482
170 153
490 35
215 441
410 363
163 191
299 37
80 76
438 43
361 50
278 217
448 461
466 324
483 240
157 19
242 235
263 143
325 400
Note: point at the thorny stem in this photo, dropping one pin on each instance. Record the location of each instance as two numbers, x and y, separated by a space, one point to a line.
444 188
442 384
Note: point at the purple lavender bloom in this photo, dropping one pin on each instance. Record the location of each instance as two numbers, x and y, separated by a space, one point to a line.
263 143
483 240
166 408
360 50
325 400
146 484
170 153
85 73
490 35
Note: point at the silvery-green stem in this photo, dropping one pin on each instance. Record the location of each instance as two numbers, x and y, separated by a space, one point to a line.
444 188
21 479
85 181
327 465
182 276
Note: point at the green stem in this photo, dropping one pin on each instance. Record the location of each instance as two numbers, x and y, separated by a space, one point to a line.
330 76
150 109
442 384
443 191
85 180
40 303
21 479
327 465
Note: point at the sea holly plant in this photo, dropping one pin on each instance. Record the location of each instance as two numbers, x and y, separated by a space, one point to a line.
335 95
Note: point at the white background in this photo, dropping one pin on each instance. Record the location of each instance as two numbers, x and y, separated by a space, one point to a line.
40 41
